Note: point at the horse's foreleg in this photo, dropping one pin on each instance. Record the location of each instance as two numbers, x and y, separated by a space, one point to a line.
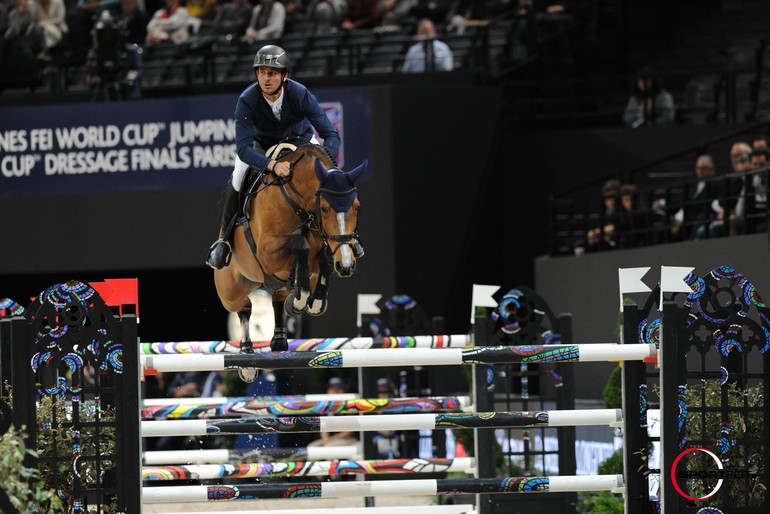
317 304
300 248
279 342
244 315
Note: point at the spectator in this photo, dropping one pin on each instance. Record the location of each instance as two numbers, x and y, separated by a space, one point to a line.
24 38
204 10
740 158
649 104
267 21
625 229
362 14
233 18
699 217
50 17
171 23
760 142
325 14
429 54
387 442
335 385
752 201
88 12
134 21
394 14
596 240
114 67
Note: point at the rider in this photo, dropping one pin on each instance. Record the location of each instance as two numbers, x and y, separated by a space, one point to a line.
273 109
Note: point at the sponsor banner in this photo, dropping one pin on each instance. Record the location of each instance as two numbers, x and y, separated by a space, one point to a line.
144 145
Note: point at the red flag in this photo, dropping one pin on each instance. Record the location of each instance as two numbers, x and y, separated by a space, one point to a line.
117 292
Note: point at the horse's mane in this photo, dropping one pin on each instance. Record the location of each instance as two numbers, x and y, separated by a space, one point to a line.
318 151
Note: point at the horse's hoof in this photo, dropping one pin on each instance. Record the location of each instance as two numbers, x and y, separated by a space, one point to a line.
313 311
288 306
248 375
279 344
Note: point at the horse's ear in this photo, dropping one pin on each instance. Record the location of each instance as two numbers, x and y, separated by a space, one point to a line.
320 171
356 173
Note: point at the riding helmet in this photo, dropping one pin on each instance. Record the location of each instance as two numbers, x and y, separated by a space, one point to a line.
272 56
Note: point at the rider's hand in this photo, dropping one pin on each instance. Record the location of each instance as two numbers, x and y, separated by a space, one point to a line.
282 169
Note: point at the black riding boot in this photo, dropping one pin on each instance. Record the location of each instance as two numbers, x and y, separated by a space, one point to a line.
219 253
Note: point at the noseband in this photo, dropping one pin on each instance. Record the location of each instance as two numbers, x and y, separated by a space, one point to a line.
343 239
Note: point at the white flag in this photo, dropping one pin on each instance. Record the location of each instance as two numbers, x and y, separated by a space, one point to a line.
630 281
367 304
672 280
482 297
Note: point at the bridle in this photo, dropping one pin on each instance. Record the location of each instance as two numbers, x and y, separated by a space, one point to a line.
342 239
313 221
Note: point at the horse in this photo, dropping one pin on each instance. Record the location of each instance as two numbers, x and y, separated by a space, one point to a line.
293 232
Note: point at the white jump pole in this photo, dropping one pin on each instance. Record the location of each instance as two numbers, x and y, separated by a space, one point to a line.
415 509
421 487
200 427
224 456
599 352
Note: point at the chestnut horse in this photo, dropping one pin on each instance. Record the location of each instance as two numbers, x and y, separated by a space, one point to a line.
294 232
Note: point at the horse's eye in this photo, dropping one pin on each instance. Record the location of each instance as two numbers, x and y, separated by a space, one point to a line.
325 210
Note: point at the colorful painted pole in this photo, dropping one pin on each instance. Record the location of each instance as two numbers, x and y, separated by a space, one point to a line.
599 352
555 418
218 400
317 344
241 408
308 468
421 487
224 456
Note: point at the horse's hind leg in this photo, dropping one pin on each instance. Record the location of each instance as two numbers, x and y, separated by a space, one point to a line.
296 302
317 304
244 315
279 342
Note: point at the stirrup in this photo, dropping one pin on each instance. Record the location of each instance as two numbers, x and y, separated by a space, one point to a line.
214 259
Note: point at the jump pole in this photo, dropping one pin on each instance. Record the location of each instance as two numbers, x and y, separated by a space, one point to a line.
417 509
217 400
599 352
242 408
556 418
309 468
420 487
224 456
316 344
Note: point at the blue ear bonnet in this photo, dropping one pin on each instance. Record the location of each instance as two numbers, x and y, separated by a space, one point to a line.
338 182
337 186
